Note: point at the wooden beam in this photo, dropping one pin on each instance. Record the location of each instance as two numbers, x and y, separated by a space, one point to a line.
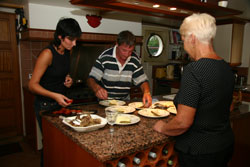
9 5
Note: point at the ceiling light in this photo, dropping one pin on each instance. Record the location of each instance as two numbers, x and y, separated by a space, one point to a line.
156 6
173 8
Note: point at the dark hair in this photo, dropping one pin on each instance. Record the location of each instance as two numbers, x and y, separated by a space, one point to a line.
66 27
126 37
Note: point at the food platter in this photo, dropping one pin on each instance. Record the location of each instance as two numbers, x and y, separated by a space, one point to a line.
165 105
67 120
153 113
121 109
137 105
172 110
133 119
108 103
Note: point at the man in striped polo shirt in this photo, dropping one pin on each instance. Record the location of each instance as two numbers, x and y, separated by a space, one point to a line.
117 69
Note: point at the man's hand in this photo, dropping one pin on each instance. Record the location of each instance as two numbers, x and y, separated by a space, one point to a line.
147 99
101 93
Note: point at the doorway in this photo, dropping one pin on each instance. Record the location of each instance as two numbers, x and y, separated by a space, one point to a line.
10 90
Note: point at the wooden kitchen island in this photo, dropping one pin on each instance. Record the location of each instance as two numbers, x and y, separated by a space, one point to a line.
65 147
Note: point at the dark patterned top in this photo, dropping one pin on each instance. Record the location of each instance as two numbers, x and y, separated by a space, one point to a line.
54 76
117 79
206 85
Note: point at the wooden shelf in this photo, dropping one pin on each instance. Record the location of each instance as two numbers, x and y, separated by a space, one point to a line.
144 7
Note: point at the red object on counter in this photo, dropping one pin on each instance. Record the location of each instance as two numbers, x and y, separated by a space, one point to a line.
65 111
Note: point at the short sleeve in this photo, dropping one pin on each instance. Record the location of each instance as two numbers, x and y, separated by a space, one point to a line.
190 88
97 70
138 75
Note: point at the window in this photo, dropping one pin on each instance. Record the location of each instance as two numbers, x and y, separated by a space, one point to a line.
154 45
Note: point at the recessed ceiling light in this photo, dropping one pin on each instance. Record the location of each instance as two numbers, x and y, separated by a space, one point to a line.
156 6
173 8
136 3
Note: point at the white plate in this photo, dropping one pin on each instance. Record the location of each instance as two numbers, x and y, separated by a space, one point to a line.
133 119
121 109
108 103
148 113
88 128
169 97
137 105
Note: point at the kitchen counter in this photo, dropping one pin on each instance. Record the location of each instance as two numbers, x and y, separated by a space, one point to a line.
242 110
126 140
102 146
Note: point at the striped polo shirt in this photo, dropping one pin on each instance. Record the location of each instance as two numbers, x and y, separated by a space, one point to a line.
116 79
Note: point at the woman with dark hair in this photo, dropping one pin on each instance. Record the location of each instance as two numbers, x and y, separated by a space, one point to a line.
50 77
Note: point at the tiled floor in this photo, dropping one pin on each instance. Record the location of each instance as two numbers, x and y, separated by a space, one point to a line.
27 158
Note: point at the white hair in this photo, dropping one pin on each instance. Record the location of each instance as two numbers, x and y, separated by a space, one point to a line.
203 26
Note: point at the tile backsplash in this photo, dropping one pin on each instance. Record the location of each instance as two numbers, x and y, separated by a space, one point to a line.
29 51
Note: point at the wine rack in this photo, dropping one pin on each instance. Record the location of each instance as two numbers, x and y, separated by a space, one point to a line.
165 157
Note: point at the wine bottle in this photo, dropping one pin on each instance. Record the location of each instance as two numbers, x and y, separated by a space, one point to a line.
165 151
152 155
170 162
136 160
120 164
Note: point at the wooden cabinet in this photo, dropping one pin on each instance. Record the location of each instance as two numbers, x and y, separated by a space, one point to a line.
228 42
10 92
136 92
242 137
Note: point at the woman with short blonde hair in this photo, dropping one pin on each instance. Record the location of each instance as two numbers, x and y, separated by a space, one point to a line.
204 137
201 25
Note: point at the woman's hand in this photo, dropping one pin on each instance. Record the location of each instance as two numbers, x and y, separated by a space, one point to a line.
62 100
159 126
68 81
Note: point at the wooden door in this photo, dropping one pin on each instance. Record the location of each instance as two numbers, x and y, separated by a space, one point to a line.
10 91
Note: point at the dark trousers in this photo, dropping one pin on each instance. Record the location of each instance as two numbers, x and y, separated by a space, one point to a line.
218 159
43 106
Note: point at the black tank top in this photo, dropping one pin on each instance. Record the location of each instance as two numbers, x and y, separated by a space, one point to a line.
54 76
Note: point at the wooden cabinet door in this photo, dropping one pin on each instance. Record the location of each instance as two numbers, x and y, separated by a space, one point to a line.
223 41
228 42
10 91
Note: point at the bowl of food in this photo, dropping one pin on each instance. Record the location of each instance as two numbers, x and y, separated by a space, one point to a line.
85 122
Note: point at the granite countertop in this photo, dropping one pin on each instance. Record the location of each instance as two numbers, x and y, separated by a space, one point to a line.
241 111
125 140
